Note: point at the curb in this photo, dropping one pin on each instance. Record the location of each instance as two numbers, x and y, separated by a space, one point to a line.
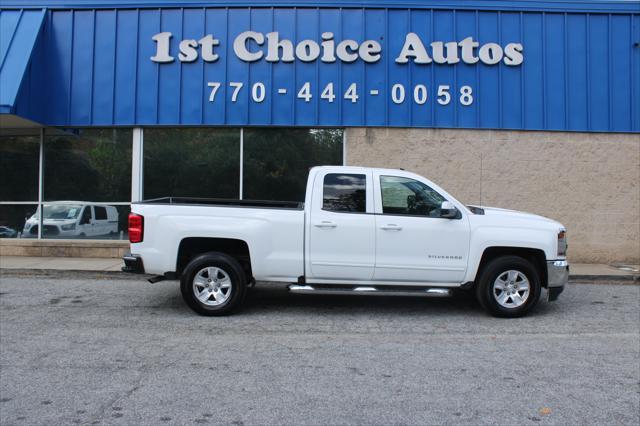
604 277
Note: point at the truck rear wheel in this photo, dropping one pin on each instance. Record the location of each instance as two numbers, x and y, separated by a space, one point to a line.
509 286
213 284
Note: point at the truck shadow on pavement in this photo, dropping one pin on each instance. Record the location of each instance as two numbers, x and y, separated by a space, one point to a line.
273 298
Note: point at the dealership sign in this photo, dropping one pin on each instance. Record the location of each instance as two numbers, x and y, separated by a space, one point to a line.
251 46
336 67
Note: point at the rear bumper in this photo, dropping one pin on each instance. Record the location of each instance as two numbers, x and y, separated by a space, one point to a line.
557 277
133 263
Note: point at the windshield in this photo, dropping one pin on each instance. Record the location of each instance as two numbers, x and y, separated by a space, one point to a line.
62 211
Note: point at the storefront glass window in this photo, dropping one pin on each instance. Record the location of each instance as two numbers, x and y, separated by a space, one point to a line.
191 162
87 184
19 156
19 167
277 160
13 219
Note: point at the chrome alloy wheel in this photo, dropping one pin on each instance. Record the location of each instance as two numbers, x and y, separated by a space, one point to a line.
511 289
212 286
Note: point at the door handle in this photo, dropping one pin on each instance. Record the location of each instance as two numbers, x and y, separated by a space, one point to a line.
325 224
391 227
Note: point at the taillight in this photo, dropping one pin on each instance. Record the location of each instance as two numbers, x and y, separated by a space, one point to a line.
136 228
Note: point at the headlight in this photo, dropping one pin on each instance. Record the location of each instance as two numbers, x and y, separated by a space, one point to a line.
69 227
562 243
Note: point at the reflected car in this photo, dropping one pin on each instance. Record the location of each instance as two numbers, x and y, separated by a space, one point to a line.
74 219
6 232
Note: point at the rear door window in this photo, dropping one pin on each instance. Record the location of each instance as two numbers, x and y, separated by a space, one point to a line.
345 192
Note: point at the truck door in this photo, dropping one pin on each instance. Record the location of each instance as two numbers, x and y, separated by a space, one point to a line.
413 243
342 227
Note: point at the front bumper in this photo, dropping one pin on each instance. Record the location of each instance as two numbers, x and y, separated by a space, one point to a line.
133 263
557 277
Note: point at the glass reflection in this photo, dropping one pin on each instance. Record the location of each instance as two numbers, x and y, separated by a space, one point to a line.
66 219
13 218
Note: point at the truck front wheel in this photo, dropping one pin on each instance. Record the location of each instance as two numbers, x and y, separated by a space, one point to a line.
213 284
508 286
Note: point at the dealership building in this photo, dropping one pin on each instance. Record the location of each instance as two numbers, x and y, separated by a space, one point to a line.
525 105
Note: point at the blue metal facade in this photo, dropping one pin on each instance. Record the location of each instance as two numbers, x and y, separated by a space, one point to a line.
580 72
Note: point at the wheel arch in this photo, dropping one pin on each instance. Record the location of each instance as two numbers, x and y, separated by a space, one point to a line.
191 247
535 256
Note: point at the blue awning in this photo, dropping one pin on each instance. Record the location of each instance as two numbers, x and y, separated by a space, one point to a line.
19 32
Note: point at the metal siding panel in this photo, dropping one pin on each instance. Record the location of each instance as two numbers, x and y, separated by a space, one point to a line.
104 60
169 74
375 76
81 69
126 66
238 71
306 28
283 74
216 72
352 73
329 72
598 73
19 36
554 71
488 82
59 56
533 73
577 100
445 115
147 100
620 53
8 24
399 114
511 86
465 73
635 73
420 74
260 72
193 86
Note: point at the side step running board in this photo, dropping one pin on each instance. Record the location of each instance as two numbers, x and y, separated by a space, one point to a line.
370 290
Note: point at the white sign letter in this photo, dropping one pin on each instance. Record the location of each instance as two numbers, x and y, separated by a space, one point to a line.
344 48
240 46
513 54
207 44
467 45
188 52
370 51
413 47
162 48
491 53
274 45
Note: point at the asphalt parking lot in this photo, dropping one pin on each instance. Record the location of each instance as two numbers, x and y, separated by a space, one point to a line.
87 349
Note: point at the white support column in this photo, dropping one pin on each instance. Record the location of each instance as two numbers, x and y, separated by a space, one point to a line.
40 183
137 175
241 160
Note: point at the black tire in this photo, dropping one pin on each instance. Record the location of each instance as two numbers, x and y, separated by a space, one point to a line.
230 267
487 295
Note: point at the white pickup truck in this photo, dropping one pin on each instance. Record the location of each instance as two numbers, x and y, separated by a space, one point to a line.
359 231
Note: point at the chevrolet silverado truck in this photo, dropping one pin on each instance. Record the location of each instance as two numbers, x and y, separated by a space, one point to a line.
359 231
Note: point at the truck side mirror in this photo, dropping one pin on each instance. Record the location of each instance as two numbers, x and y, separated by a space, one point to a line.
448 210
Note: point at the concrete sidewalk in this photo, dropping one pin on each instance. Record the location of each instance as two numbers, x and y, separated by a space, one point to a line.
93 264
578 270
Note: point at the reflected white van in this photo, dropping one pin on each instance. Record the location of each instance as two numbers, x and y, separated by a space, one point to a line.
74 219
